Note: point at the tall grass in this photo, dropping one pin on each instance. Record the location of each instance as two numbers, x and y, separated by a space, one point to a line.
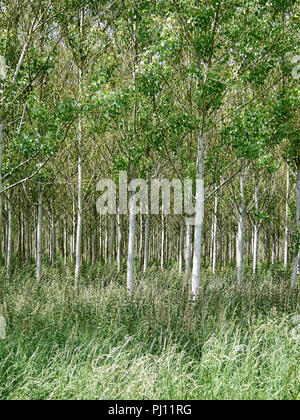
232 344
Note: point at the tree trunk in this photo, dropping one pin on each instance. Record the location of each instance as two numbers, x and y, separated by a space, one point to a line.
241 229
131 246
163 238
112 238
52 237
286 233
9 231
255 232
181 242
39 237
79 171
198 220
297 254
119 252
188 249
146 243
215 227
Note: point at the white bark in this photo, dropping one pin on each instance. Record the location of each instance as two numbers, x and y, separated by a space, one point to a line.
9 231
286 234
79 175
163 239
52 237
188 248
215 228
241 229
297 256
112 238
181 242
21 59
146 243
119 251
39 237
131 253
198 221
255 231
2 324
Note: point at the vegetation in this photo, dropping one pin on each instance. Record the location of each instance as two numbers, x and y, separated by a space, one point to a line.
149 199
230 345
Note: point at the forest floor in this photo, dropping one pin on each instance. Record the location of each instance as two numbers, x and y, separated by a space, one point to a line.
157 345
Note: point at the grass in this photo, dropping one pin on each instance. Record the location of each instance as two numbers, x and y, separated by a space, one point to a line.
158 345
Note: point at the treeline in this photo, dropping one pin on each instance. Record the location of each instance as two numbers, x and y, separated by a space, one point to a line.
185 89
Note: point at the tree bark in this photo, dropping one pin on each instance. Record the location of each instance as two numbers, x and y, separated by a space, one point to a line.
198 220
79 175
286 233
9 232
146 243
39 236
215 242
297 254
241 231
255 231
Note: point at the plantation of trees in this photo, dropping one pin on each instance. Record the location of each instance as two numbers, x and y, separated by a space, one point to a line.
200 100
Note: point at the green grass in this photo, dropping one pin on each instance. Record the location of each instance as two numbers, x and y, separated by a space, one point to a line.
158 345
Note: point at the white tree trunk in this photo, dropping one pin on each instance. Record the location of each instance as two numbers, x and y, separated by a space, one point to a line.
52 238
39 236
79 175
241 229
198 221
286 234
9 231
297 256
131 249
255 231
163 238
2 324
146 243
215 228
112 238
181 244
188 248
119 251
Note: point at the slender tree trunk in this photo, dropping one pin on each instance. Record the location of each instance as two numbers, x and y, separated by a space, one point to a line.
198 219
131 246
188 249
79 171
146 243
52 239
255 231
286 233
215 228
39 237
163 239
112 238
141 241
132 215
241 229
297 255
9 231
180 250
119 251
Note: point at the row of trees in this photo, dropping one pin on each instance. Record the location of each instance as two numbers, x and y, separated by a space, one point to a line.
205 90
